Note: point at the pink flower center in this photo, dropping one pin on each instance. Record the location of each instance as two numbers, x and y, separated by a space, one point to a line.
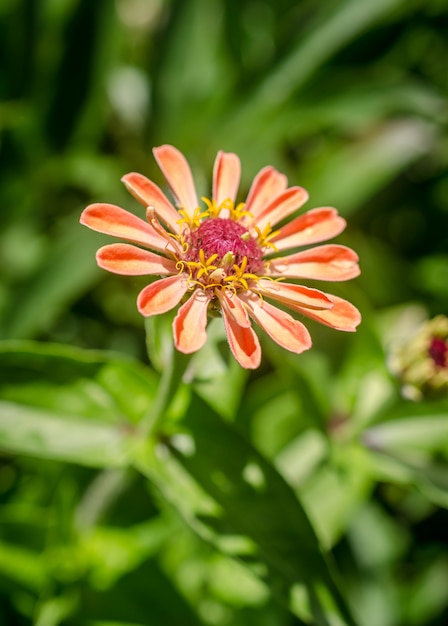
227 239
438 351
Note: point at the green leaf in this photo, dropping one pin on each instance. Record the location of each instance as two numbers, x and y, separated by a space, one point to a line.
70 404
356 172
25 430
333 27
95 385
241 492
426 432
335 491
414 450
144 595
23 567
113 552
68 270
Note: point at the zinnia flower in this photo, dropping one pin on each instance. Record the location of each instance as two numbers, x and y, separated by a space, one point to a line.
227 257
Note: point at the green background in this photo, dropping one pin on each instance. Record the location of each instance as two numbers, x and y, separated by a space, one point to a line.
349 99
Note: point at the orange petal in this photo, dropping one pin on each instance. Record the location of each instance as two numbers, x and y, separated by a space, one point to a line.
112 220
177 172
162 295
267 185
280 326
293 295
122 258
226 177
311 227
330 262
281 207
343 315
243 342
149 194
189 325
233 308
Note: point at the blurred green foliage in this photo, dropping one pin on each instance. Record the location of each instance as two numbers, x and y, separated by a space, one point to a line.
276 495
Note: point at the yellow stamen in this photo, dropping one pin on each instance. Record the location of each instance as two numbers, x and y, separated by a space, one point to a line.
192 221
181 240
205 273
212 210
235 212
265 235
239 212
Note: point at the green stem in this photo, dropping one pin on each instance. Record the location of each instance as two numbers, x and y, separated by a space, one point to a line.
170 381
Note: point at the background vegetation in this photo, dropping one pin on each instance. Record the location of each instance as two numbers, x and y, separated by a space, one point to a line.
349 98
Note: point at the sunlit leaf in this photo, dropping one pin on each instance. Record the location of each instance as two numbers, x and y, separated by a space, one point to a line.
88 384
69 404
40 433
251 499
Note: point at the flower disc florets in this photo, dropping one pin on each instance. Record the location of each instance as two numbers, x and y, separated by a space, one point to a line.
221 253
229 241
438 350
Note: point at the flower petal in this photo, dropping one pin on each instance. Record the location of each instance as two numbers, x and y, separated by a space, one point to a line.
266 186
243 342
189 325
122 258
226 177
149 194
330 262
162 295
343 315
296 295
178 174
311 227
112 220
282 206
233 308
280 326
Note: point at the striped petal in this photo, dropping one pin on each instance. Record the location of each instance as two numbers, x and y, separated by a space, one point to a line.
226 177
189 325
112 220
162 295
330 262
293 295
266 186
311 227
149 194
243 342
288 332
281 207
122 258
178 174
233 308
343 315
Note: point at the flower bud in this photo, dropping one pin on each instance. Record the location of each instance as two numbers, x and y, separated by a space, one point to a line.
422 363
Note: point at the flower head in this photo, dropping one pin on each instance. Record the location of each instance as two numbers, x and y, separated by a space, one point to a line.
422 361
228 257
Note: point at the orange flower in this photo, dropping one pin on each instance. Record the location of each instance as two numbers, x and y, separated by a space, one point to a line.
227 257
